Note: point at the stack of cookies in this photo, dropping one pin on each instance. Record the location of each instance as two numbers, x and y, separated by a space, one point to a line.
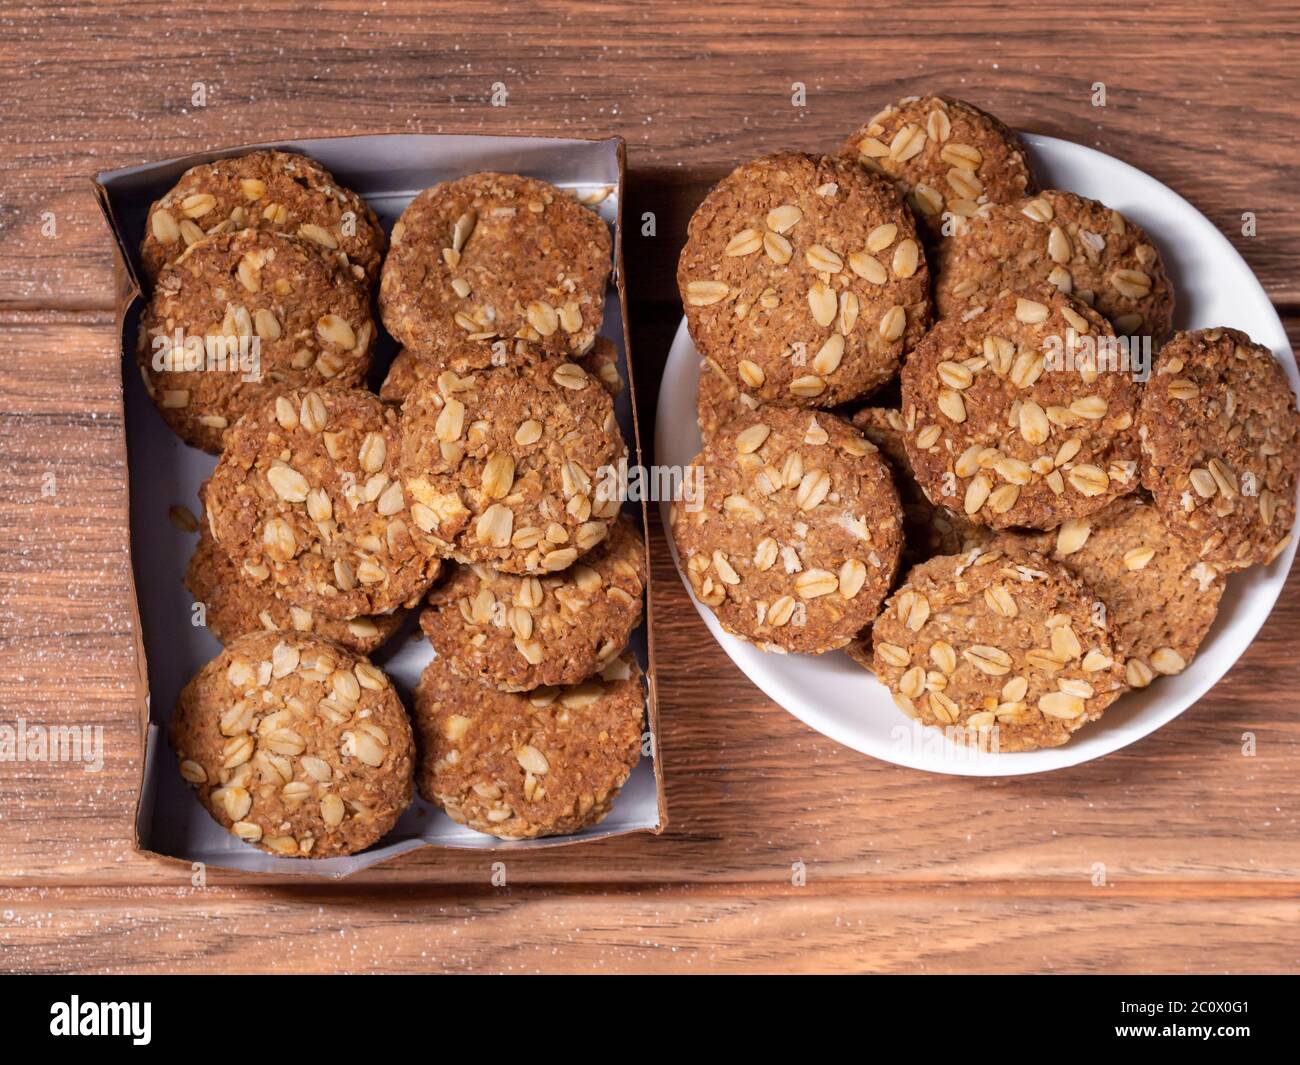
929 438
485 476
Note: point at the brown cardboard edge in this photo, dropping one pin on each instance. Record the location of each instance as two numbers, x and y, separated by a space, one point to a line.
128 285
127 291
652 685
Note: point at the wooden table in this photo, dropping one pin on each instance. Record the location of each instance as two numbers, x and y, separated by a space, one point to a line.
905 872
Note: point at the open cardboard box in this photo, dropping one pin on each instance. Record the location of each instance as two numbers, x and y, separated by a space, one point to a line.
387 170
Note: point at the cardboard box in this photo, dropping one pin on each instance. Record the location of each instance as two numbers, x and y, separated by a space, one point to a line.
387 170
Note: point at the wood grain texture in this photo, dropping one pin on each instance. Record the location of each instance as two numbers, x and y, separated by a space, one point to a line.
849 928
1200 844
1198 95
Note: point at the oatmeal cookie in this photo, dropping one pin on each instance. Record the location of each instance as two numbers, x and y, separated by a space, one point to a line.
1011 419
307 500
859 650
298 320
404 373
602 363
803 279
1221 445
295 745
267 190
945 155
543 763
1000 644
493 257
795 536
718 400
884 427
928 530
1079 246
235 605
512 466
519 633
409 367
1160 598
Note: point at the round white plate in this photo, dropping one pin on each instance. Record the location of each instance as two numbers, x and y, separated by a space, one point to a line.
831 694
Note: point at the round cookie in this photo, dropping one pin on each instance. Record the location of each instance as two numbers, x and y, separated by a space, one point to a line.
794 537
945 155
267 190
1160 598
493 257
307 500
1221 445
718 400
803 279
409 367
1001 645
602 363
927 530
298 319
235 605
519 633
884 427
295 745
859 651
404 373
513 466
1014 419
1079 246
520 765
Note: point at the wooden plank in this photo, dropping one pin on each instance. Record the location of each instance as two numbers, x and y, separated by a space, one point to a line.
751 790
1198 95
889 929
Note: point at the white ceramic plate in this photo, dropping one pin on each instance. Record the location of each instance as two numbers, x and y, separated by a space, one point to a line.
831 694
